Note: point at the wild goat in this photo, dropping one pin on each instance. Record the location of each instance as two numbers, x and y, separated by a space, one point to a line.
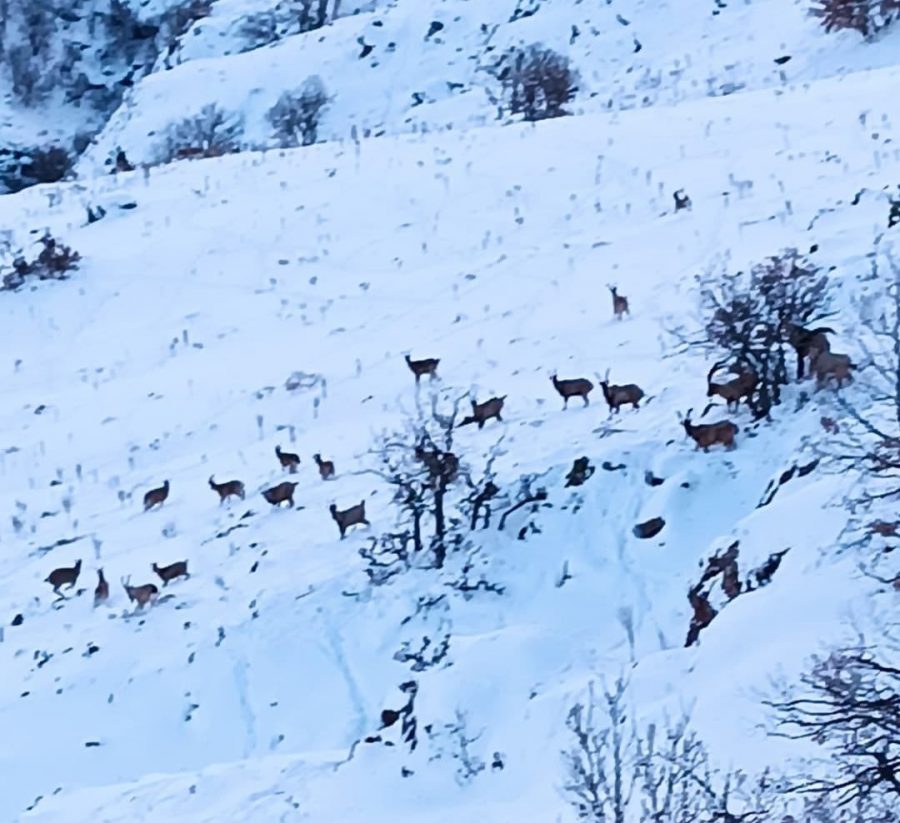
620 303
682 201
142 595
807 343
827 365
64 577
709 434
440 464
734 390
326 467
422 367
288 460
616 396
579 387
355 515
171 572
101 593
276 495
232 488
156 497
482 412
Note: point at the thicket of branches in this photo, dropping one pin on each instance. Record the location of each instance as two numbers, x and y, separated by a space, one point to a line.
286 18
868 17
439 496
617 772
210 133
849 704
295 117
867 440
537 82
54 262
746 315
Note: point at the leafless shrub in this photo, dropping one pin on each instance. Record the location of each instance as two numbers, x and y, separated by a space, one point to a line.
537 82
259 29
616 772
868 17
295 117
211 133
54 262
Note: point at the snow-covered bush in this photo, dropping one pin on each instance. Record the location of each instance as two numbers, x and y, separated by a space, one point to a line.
537 82
210 133
295 117
868 17
259 29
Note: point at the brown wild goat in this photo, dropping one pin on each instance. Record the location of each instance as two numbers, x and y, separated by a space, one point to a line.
709 434
64 577
441 465
734 390
579 387
156 497
101 593
288 460
482 412
171 572
355 515
616 396
231 488
620 303
142 595
807 343
326 467
828 365
422 367
276 495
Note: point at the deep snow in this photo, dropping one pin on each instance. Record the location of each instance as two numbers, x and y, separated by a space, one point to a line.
489 246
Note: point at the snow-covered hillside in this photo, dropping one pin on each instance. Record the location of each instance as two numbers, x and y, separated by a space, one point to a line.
246 693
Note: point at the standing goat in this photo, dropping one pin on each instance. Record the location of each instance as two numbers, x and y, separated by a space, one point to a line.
66 576
156 497
709 434
142 595
807 343
355 515
326 467
171 572
579 387
616 396
288 460
101 593
422 367
276 495
232 488
828 365
620 303
482 412
734 390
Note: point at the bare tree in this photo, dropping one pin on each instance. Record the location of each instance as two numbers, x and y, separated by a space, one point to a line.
747 315
295 117
849 704
537 82
210 133
615 772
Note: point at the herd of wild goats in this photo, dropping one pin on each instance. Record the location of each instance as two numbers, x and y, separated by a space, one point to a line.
810 345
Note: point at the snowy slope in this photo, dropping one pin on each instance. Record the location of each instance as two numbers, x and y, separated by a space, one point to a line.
165 357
